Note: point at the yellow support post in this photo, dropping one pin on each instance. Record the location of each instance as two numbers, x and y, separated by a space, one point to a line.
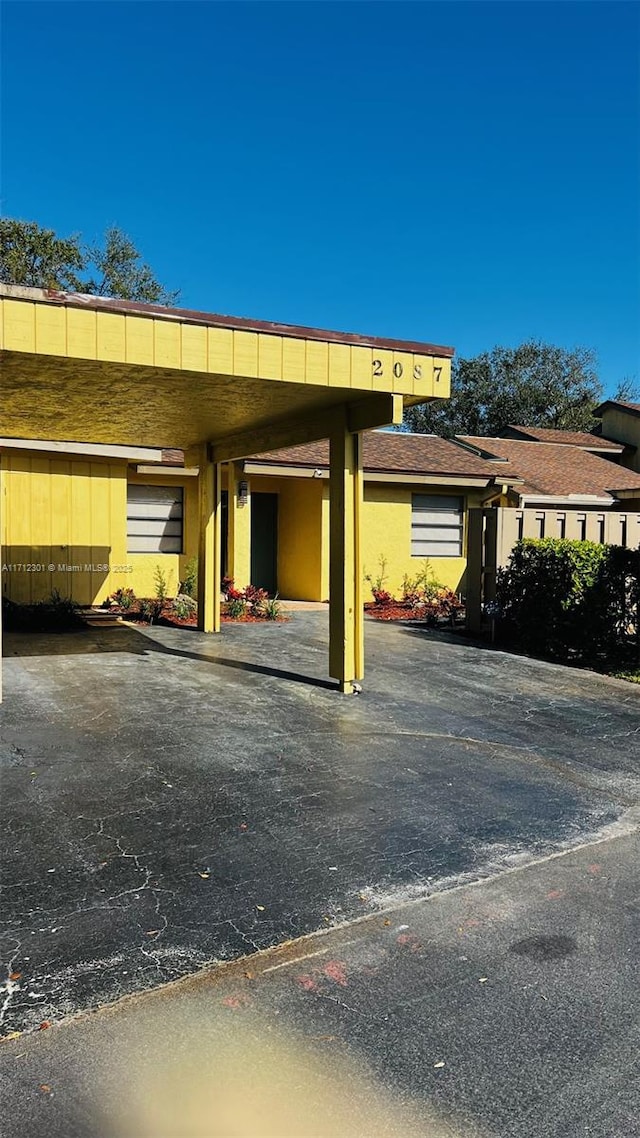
346 618
210 544
1 581
239 515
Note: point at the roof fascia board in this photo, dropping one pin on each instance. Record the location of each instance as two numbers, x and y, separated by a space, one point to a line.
85 450
216 320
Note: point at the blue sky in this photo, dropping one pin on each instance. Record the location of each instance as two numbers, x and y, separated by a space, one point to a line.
464 173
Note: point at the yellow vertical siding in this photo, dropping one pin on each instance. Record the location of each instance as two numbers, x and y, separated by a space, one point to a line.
61 521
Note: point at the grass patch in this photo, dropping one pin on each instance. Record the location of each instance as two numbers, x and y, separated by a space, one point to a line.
633 676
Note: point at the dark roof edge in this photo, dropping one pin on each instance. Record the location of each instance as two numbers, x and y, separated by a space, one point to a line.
215 320
615 403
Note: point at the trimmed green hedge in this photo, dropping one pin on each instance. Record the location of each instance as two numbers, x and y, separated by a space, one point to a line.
571 601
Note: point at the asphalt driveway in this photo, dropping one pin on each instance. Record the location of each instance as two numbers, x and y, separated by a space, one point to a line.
172 800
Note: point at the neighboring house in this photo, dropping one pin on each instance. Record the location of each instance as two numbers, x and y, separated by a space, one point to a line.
558 474
620 421
606 448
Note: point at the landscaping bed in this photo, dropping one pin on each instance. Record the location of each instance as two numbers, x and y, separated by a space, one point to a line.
404 611
240 606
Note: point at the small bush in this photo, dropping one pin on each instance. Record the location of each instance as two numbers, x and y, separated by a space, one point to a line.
184 606
226 584
151 609
270 608
254 595
571 600
189 587
377 583
160 580
382 597
123 598
422 588
237 606
55 614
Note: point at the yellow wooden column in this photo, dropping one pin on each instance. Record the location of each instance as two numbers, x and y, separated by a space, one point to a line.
346 618
210 544
239 537
1 578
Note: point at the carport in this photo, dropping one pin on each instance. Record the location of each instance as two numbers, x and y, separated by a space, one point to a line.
85 369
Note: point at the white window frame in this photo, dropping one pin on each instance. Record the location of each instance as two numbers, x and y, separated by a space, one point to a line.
437 524
155 519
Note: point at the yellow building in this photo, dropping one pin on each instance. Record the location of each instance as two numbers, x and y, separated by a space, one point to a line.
92 388
89 524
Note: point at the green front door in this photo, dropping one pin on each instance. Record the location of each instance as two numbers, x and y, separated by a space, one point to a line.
264 541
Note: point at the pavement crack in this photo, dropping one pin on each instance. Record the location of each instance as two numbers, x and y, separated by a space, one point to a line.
10 986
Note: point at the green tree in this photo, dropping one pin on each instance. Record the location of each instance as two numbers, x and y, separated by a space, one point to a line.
122 272
534 384
34 256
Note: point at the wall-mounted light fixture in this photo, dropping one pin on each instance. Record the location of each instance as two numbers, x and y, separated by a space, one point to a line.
243 493
317 474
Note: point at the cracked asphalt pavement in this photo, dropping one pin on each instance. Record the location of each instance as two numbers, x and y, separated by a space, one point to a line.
173 801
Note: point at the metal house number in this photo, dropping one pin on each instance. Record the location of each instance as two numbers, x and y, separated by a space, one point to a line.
398 370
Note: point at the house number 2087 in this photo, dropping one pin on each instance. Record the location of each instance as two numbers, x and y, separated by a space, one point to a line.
398 370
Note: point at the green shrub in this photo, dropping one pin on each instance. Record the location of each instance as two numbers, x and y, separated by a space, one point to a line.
237 607
55 614
377 582
123 598
184 606
189 587
421 589
571 600
151 609
269 607
160 579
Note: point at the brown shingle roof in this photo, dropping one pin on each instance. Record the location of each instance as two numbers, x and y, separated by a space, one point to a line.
392 452
567 438
556 470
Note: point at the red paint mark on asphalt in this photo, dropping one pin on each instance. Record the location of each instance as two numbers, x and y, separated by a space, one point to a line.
554 894
595 868
307 982
410 941
235 1001
336 971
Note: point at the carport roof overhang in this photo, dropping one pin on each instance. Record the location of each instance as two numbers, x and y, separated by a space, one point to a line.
81 368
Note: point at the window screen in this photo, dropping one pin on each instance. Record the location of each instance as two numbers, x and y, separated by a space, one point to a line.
154 519
436 525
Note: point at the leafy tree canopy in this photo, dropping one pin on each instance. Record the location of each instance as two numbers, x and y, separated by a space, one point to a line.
537 385
37 257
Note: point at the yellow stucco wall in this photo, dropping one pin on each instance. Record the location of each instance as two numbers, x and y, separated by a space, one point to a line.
59 511
386 532
173 565
303 536
300 562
